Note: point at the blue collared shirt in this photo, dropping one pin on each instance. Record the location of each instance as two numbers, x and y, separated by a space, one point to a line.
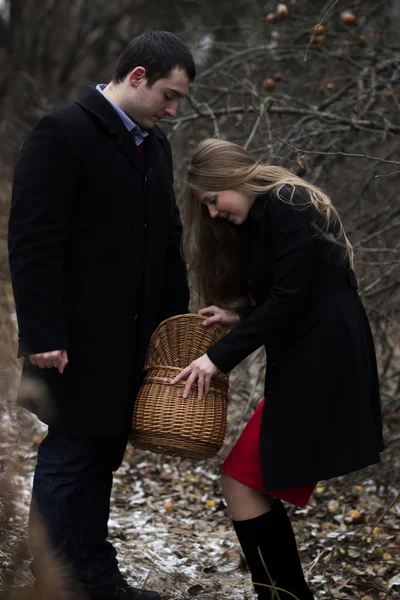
138 133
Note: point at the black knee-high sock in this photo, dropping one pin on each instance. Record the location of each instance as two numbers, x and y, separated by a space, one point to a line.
270 549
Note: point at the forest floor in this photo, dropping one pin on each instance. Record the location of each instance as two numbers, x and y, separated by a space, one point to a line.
170 525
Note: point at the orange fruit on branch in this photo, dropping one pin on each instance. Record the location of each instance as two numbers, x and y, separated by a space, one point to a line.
269 83
349 18
282 11
318 29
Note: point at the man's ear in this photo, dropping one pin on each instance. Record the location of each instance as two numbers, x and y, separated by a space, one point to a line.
137 76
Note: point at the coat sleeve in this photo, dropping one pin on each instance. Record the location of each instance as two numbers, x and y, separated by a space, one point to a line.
294 255
42 199
175 289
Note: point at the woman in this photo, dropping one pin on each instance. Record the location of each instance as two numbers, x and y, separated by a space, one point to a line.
270 254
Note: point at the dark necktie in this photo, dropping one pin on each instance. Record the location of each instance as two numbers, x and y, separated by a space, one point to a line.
140 148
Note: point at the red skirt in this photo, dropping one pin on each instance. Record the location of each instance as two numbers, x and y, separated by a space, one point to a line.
244 464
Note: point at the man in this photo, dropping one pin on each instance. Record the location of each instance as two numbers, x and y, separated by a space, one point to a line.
94 245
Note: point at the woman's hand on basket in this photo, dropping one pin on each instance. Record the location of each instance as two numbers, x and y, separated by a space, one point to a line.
201 369
215 314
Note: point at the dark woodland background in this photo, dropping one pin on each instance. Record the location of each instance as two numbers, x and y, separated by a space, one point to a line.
322 101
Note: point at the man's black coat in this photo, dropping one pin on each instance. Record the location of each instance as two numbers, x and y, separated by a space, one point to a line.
94 246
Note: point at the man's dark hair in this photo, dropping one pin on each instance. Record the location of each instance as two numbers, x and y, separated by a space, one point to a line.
158 52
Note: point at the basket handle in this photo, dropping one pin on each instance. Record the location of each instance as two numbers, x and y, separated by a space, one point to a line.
148 366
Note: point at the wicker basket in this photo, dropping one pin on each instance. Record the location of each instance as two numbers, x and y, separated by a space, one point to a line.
164 421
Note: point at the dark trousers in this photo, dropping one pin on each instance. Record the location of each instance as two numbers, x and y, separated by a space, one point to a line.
71 494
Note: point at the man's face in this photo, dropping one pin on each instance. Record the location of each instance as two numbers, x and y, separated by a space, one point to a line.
148 105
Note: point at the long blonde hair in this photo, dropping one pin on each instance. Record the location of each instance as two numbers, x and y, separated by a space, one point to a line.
215 249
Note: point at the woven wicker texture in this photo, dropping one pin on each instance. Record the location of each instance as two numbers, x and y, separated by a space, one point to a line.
165 422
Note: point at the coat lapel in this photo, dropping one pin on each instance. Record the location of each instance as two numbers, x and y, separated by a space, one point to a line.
126 141
103 113
153 146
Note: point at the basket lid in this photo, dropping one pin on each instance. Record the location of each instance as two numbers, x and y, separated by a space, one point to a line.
179 340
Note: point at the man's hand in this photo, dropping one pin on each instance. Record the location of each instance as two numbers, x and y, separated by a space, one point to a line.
56 358
201 369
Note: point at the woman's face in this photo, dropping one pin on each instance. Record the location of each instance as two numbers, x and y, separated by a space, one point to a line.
232 205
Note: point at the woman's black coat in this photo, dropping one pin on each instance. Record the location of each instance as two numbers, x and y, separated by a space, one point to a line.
322 411
94 245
